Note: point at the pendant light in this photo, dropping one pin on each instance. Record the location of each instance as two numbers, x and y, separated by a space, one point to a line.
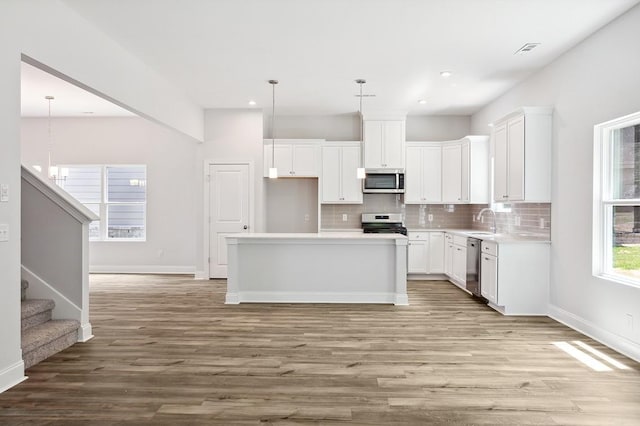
57 175
273 171
360 173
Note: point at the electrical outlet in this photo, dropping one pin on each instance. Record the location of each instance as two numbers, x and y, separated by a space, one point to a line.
4 193
430 217
345 217
629 320
517 220
4 232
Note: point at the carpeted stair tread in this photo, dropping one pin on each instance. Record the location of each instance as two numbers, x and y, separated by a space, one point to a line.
31 307
43 334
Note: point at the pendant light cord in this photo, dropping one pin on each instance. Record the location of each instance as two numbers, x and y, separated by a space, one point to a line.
273 122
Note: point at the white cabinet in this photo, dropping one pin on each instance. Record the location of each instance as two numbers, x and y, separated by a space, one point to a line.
489 272
514 277
465 171
455 259
522 155
436 253
423 174
384 144
339 182
426 252
293 158
448 255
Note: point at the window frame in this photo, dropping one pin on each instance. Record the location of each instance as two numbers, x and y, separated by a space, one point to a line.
604 202
104 203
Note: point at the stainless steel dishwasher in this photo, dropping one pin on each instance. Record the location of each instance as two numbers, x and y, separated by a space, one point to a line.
473 266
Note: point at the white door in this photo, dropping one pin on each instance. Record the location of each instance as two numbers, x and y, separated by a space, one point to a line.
229 206
515 177
489 277
373 144
417 257
451 173
500 190
393 145
413 180
305 160
432 173
436 253
331 179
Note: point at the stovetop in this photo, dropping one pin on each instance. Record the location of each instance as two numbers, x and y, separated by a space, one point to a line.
383 223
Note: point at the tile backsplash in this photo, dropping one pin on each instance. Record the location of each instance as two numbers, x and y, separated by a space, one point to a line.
522 217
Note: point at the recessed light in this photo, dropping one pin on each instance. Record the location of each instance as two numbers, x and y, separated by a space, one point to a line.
87 112
422 101
446 74
252 103
490 124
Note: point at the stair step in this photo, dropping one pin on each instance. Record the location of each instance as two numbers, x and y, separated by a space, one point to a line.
35 312
44 340
24 285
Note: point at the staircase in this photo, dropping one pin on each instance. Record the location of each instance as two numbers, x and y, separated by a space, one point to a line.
42 336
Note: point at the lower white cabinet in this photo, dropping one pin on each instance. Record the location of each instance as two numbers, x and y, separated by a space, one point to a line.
514 277
448 255
426 253
489 272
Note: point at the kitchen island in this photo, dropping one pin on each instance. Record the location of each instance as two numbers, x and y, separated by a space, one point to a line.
331 267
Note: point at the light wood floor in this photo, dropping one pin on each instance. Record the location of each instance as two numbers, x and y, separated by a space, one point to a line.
168 351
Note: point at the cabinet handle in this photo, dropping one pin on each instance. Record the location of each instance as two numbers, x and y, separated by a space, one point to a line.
505 196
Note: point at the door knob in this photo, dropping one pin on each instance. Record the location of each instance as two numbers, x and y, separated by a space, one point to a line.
245 227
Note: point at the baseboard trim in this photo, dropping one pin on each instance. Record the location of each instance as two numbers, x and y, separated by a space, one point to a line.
614 341
314 297
12 375
201 275
141 269
85 333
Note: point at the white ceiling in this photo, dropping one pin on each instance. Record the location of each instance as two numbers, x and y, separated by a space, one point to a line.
222 52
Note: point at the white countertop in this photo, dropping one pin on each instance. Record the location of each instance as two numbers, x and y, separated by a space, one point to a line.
515 238
356 235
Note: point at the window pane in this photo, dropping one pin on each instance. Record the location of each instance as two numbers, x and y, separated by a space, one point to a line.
94 227
125 221
626 241
83 183
626 163
126 184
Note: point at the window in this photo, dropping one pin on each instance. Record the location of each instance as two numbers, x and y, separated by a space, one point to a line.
116 193
617 200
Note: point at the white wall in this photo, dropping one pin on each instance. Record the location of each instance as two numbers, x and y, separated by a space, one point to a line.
346 127
51 33
230 135
169 157
592 83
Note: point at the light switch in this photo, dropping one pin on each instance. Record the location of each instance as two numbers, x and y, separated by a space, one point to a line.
4 192
345 217
4 232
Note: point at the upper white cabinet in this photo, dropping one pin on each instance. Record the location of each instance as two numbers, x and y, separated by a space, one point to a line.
293 158
449 172
340 185
384 143
522 155
423 174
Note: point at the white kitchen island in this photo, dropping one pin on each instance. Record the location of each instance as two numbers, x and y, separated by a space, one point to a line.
327 267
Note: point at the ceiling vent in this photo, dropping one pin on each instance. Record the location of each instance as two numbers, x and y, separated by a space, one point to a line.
528 47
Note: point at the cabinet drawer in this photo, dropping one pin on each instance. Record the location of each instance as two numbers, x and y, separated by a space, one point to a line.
490 248
460 240
423 236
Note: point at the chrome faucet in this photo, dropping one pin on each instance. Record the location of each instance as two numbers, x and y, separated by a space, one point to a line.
487 209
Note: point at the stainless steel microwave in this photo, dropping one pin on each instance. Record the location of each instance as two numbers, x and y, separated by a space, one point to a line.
383 181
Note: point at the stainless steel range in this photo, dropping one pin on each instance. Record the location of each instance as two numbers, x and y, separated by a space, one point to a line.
383 223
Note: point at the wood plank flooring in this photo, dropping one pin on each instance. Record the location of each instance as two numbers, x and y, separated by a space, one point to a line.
168 351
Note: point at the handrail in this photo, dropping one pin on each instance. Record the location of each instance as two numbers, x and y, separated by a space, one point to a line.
59 196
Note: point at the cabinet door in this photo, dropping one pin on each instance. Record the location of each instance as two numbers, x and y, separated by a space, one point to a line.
281 159
489 277
304 160
460 264
413 177
373 144
515 151
351 185
500 189
448 255
331 179
417 257
464 172
436 253
431 174
451 173
393 144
